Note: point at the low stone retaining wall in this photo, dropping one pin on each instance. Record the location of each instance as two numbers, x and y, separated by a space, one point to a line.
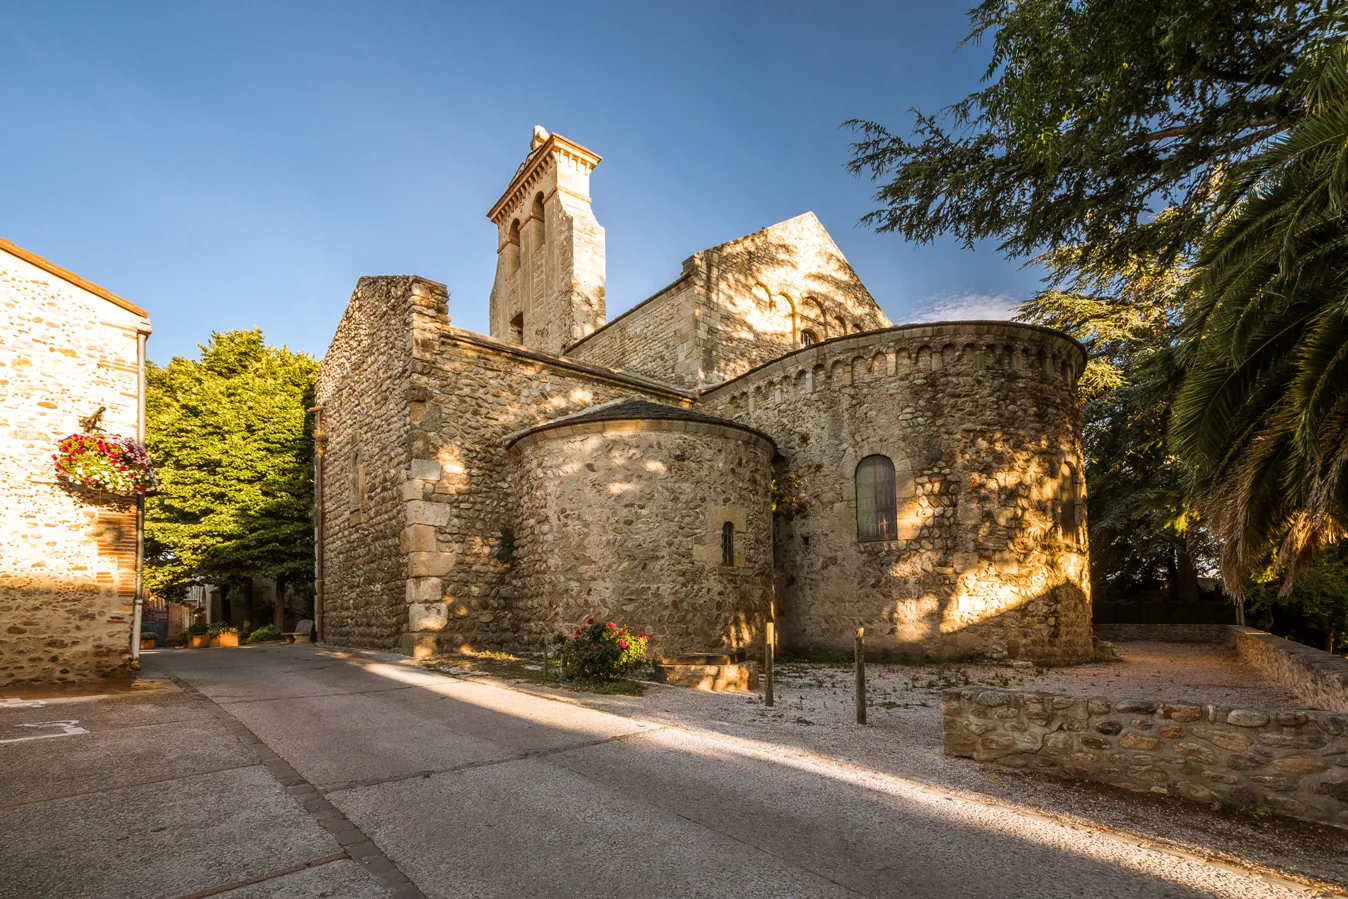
1290 762
1165 633
1319 678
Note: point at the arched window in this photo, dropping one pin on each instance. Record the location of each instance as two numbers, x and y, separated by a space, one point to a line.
728 544
517 328
512 248
1069 504
537 213
808 338
812 318
877 503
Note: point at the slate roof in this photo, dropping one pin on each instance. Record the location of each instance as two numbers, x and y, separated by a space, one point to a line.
637 409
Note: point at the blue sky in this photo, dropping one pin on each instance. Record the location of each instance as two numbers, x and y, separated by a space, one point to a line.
242 164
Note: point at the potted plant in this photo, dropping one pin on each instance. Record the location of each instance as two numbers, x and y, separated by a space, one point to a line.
223 634
197 636
147 639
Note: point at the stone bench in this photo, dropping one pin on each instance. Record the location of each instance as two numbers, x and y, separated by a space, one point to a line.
715 672
303 632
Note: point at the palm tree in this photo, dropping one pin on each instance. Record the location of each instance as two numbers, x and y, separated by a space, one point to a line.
1262 413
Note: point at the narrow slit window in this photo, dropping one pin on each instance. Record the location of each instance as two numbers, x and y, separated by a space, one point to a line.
357 481
1069 505
728 544
877 502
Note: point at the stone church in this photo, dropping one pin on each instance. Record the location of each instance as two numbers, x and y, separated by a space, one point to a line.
755 439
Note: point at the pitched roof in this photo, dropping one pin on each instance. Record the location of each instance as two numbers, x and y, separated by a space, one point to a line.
637 409
71 277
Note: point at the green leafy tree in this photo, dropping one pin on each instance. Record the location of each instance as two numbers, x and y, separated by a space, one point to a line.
229 435
1319 596
1262 415
1096 115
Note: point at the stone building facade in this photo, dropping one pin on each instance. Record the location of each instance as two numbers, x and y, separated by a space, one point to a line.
67 567
755 439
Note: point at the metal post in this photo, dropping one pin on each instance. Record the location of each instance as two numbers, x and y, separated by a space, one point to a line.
545 660
861 675
769 658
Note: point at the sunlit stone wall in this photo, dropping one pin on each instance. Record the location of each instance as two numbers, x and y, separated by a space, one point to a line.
737 306
624 520
67 566
980 420
363 386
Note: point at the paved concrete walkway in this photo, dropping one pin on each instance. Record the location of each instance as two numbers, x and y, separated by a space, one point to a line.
303 772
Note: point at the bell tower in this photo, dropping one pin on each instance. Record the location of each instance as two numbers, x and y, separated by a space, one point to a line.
549 287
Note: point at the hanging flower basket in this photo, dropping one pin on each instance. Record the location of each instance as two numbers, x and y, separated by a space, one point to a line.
114 465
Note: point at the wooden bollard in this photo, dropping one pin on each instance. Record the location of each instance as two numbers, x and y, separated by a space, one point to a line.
545 660
769 654
861 675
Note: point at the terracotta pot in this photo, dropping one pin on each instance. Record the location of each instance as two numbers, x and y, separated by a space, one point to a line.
147 644
200 641
225 640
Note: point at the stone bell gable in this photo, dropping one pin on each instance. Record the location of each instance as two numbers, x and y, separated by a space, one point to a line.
549 287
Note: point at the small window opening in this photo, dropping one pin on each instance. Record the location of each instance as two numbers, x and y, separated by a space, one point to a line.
728 544
808 338
512 248
877 500
537 213
357 481
517 328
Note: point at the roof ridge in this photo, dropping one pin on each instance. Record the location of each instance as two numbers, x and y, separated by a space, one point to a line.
70 277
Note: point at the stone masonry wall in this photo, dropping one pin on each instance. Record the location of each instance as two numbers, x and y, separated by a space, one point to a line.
67 567
364 386
738 306
1166 633
623 521
1317 677
979 420
1290 762
647 339
761 292
468 395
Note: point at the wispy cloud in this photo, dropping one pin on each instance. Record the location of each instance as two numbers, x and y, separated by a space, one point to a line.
966 306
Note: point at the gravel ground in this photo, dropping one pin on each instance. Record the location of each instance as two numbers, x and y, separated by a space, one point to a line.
815 713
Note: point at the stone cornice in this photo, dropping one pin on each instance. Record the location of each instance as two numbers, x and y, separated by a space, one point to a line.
535 166
932 331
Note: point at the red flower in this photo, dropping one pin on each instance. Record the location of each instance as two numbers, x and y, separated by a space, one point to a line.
612 626
589 621
577 632
642 636
622 644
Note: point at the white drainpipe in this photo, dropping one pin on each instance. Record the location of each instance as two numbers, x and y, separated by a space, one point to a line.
140 506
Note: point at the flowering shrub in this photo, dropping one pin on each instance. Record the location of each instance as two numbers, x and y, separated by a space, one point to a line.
221 627
116 465
265 634
602 651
